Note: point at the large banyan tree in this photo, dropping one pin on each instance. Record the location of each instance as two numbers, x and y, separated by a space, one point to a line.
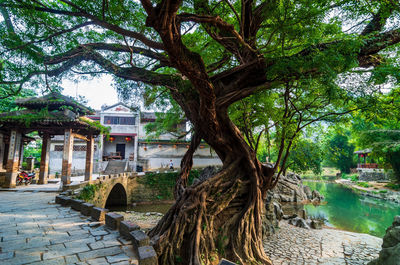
207 55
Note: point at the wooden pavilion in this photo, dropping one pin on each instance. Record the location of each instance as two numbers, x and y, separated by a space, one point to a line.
362 159
52 114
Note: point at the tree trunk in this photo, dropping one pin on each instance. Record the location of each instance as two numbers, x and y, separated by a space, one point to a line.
222 216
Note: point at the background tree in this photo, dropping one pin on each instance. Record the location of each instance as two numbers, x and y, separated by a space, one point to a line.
339 152
208 55
305 155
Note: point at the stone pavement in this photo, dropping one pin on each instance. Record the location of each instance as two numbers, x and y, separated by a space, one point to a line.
294 245
54 185
34 230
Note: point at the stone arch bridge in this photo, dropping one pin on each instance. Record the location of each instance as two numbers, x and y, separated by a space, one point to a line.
121 190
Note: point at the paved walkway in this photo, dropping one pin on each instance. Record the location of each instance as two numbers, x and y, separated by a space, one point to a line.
34 230
296 246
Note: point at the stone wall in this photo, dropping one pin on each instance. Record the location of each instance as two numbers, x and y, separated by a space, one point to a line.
373 176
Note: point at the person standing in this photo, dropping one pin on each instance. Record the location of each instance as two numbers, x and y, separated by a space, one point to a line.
171 165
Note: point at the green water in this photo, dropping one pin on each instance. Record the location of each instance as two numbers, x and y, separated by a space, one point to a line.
347 210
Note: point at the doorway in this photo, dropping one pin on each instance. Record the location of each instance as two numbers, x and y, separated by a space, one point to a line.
121 150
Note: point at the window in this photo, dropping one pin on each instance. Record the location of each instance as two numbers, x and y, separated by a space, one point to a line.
119 120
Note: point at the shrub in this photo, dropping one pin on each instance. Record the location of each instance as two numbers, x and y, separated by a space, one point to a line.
88 192
383 191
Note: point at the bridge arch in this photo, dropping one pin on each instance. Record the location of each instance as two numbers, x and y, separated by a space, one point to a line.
117 196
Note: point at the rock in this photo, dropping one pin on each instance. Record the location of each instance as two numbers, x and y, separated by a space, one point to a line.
390 253
314 224
308 192
317 195
290 189
299 222
287 217
273 215
208 172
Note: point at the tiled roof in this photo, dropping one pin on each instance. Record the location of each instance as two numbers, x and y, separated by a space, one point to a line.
53 100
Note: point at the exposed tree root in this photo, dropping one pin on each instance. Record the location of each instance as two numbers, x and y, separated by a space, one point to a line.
214 219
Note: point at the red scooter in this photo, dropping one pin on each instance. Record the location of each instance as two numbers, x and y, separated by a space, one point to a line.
25 178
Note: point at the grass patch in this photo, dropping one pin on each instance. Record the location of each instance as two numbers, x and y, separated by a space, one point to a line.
363 184
352 177
394 186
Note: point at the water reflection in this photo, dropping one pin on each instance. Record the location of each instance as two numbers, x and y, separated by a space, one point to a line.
347 210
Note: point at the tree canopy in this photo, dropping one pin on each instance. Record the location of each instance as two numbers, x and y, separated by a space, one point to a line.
295 61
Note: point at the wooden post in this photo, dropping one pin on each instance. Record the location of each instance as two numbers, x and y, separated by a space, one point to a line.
67 157
21 154
13 159
135 152
44 162
2 147
89 158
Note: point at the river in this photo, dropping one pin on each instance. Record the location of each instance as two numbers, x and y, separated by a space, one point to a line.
347 210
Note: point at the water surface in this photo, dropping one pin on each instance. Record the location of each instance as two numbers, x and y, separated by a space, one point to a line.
347 210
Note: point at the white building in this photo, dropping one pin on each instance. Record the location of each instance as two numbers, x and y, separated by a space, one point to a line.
128 145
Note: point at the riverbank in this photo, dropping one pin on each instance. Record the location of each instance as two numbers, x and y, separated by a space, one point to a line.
375 190
294 245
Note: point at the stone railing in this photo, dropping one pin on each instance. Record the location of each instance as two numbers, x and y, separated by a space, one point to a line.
131 231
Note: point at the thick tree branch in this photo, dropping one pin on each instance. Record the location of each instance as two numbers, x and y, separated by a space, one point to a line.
116 47
81 13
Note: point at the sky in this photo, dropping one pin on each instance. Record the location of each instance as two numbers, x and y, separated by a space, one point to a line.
97 91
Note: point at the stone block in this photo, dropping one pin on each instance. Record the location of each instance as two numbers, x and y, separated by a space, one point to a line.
126 227
99 214
66 201
86 208
139 239
147 256
76 204
226 262
59 198
113 220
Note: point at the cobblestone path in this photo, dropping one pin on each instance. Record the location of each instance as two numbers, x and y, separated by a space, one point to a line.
294 245
34 230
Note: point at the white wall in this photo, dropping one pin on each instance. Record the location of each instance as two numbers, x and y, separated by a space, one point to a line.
153 157
78 159
112 146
